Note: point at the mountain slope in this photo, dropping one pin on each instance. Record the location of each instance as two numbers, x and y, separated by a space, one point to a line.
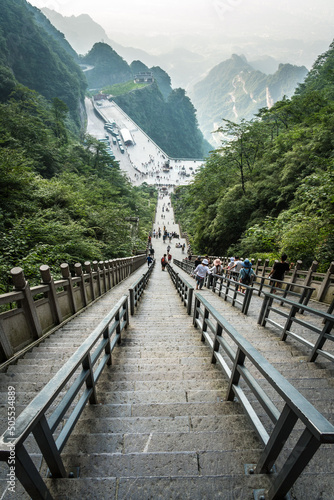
36 59
233 90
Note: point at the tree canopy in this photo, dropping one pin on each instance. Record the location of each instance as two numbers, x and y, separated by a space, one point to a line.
269 188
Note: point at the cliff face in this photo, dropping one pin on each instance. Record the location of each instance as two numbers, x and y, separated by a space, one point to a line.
234 90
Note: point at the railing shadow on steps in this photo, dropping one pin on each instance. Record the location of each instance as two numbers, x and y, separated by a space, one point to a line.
238 359
46 412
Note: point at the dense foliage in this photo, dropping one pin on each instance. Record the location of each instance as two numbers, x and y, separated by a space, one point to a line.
36 59
107 67
270 187
60 200
171 123
166 115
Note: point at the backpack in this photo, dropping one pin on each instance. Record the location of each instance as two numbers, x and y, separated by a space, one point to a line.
163 260
246 279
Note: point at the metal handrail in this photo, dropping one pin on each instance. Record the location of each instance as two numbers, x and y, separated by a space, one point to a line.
323 333
237 297
184 289
137 289
188 267
285 288
232 360
92 356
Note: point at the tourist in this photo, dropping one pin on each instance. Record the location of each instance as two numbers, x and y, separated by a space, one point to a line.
201 272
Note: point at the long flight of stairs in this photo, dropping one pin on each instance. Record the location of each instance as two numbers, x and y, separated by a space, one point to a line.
162 428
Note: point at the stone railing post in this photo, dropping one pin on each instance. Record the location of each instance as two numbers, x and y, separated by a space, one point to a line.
65 271
79 274
27 304
294 274
102 268
88 269
52 294
107 267
312 270
98 276
326 282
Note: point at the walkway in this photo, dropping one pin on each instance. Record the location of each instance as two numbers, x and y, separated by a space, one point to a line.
161 428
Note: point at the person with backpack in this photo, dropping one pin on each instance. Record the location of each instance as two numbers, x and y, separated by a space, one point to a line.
163 262
246 274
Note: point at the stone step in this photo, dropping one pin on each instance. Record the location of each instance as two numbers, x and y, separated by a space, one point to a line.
164 464
161 442
162 424
171 410
214 487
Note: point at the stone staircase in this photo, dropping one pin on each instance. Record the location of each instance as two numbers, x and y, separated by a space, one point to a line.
162 428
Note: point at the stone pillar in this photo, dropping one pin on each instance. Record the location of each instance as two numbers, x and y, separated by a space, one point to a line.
326 282
79 274
27 303
52 294
65 271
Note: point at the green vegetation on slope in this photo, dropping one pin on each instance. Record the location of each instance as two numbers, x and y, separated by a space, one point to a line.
37 60
270 187
172 124
123 88
60 200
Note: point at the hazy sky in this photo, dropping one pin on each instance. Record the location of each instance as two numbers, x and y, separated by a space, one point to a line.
286 18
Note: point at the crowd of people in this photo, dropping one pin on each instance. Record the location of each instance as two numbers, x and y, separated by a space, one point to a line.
237 269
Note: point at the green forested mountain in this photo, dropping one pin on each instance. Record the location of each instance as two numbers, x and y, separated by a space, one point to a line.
61 199
233 90
170 123
166 115
108 67
270 187
37 60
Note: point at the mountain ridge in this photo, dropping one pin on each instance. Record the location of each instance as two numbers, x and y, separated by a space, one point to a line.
234 90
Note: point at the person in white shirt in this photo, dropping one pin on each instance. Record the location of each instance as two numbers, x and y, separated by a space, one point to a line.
200 272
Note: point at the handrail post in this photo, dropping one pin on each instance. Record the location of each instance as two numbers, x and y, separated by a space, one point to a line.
277 440
52 294
28 305
300 456
235 375
326 281
65 271
79 274
28 475
47 445
190 299
132 301
90 384
311 270
98 275
88 269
